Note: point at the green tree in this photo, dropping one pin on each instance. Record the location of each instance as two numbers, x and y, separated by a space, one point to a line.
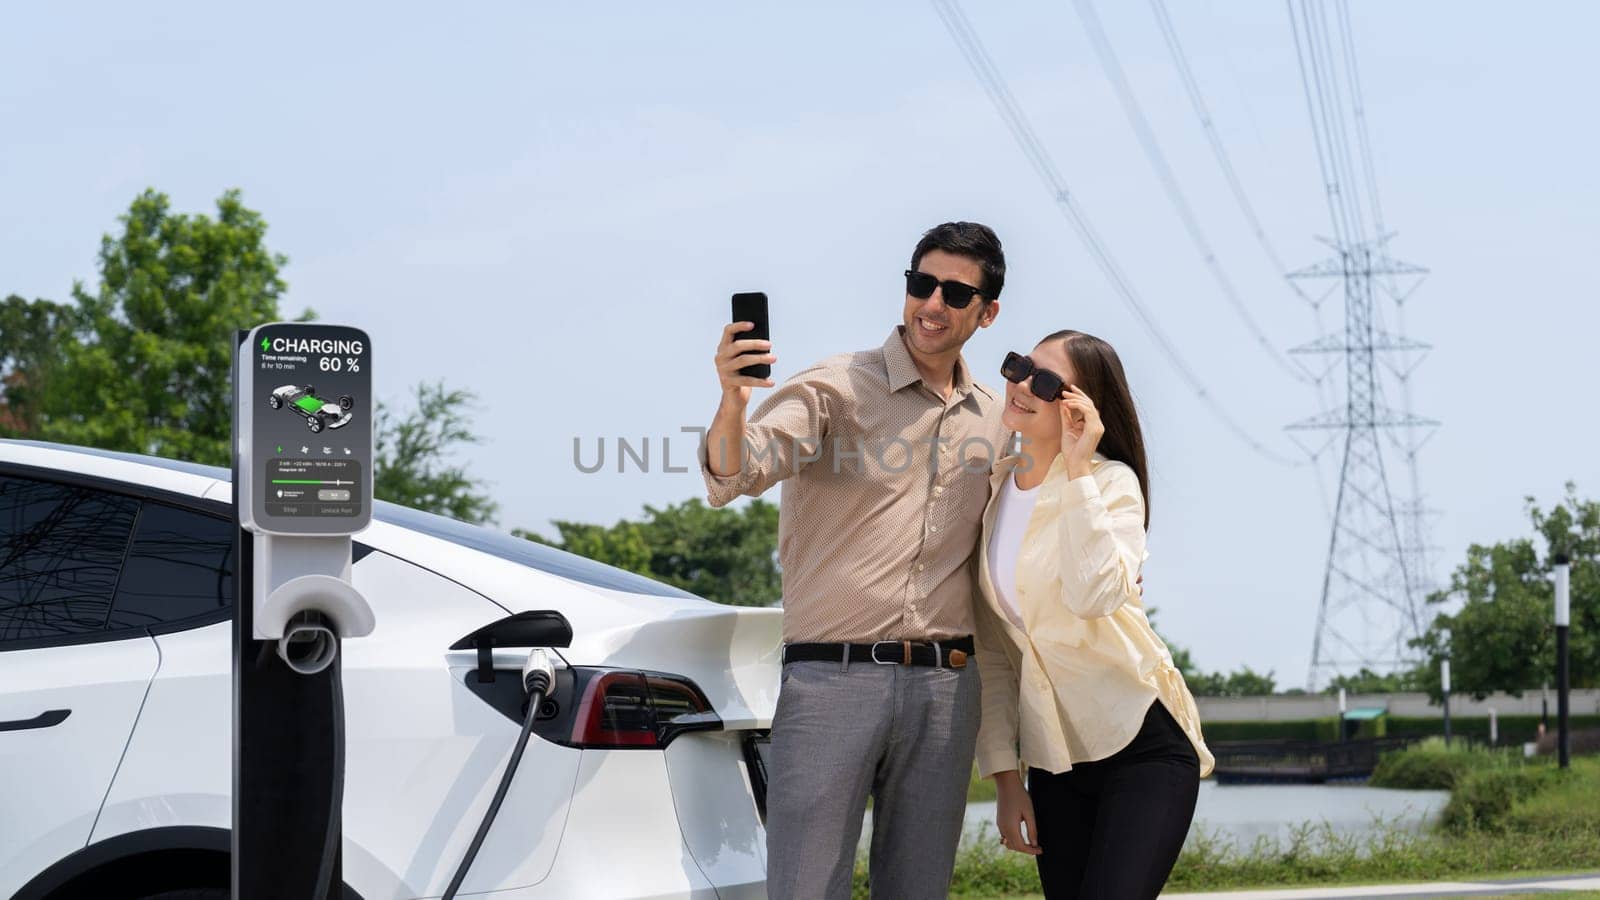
1367 681
413 459
1502 637
146 364
1244 682
621 545
143 363
728 555
32 333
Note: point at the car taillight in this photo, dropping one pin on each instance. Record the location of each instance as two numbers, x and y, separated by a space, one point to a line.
615 712
630 709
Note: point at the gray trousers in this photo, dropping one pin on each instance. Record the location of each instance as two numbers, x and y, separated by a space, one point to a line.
903 734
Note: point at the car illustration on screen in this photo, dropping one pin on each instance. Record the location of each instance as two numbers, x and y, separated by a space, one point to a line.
318 413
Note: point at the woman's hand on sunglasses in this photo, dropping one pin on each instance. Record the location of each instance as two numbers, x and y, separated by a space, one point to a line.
729 360
1081 430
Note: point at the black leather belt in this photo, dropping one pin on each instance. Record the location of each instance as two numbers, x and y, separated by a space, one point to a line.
951 654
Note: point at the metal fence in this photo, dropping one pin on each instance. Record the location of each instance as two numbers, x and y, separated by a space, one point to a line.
1303 762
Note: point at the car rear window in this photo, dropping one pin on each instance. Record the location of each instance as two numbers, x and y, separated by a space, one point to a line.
495 543
61 547
179 565
524 552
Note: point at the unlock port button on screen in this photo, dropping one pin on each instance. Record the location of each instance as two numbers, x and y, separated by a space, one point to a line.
313 487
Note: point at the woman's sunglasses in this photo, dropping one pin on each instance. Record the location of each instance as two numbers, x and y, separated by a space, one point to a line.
1046 384
956 295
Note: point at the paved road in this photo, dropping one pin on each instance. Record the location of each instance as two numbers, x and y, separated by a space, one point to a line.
1547 885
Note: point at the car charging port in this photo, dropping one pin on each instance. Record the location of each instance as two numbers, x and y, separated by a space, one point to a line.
538 676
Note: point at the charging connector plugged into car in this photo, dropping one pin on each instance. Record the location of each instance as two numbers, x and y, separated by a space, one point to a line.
538 675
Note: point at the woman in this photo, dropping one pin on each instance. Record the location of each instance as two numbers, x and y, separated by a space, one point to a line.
1076 685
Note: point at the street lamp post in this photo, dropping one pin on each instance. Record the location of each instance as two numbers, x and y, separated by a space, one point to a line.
1444 688
1563 620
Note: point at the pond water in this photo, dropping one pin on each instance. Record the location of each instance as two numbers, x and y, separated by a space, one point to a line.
1243 813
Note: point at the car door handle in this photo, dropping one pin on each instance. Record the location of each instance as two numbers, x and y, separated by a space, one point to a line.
43 720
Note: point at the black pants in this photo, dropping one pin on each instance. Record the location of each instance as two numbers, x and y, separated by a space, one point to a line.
1111 829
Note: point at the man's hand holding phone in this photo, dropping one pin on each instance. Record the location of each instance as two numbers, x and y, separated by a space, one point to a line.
735 353
743 363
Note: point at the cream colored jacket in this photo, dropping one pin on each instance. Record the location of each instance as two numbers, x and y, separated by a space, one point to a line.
1075 683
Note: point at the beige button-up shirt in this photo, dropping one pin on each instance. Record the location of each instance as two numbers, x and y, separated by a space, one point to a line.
1073 684
884 487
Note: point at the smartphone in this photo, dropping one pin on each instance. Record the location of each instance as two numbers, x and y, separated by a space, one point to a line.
752 307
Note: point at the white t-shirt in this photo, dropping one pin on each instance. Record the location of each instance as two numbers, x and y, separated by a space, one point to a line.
1005 542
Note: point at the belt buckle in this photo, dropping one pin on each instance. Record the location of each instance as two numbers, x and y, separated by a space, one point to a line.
885 662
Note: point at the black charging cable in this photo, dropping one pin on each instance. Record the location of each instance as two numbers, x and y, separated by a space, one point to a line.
330 844
538 675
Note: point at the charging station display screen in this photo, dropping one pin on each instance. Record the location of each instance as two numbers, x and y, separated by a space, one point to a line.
306 417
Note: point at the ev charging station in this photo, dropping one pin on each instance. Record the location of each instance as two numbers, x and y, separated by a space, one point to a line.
302 486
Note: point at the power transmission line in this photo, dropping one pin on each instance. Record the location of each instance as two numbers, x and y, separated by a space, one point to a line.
1191 86
994 85
1112 66
1333 110
1359 107
1219 152
1327 166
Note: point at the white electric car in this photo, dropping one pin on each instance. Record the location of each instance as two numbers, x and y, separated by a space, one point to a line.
644 779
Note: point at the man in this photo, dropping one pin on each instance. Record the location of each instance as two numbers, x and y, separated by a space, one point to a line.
884 455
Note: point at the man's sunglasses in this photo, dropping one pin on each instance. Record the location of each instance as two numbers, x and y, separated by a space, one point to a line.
1046 384
956 295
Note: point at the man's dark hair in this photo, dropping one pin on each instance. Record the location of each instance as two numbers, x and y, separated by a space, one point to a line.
974 241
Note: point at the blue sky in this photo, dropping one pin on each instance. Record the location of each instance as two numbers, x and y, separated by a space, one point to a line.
551 204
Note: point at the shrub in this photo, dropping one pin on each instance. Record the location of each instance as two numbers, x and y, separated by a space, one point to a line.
1569 804
1430 765
1482 799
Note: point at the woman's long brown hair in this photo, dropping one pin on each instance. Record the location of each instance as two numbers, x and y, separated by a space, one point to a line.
1099 374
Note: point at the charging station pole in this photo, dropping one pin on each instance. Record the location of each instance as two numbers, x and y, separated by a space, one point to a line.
302 485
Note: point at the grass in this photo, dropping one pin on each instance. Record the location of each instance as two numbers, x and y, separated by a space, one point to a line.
1312 856
1317 856
1570 895
1510 819
1573 803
